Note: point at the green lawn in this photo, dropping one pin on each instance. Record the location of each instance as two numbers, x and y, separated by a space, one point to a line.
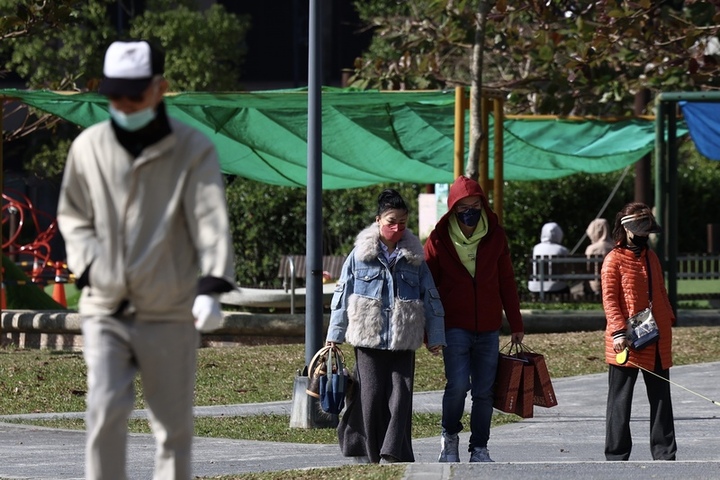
72 294
696 287
47 381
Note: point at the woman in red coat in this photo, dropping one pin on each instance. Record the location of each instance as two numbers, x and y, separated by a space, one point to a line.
626 292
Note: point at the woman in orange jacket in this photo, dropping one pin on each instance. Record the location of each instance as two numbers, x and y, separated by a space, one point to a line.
631 275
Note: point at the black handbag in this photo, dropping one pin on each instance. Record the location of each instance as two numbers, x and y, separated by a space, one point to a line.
642 330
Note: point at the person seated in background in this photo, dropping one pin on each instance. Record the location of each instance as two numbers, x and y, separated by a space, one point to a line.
551 237
598 231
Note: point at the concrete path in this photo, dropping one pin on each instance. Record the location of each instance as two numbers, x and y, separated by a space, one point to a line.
563 442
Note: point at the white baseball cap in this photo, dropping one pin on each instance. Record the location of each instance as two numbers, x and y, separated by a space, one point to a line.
129 67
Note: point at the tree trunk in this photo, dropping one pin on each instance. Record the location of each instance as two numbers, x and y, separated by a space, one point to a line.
476 70
643 187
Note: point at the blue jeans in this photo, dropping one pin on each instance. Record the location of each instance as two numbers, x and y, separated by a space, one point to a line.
470 364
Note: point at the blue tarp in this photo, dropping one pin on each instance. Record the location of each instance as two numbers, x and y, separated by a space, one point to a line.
703 121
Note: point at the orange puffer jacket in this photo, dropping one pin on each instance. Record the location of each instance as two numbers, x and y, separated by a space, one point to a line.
625 293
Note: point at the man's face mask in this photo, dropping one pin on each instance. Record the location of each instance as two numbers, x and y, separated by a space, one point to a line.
133 121
469 217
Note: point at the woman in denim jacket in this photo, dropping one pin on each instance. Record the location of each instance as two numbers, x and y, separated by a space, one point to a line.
385 305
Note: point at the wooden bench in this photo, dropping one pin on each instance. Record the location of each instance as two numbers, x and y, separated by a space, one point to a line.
293 267
571 269
579 268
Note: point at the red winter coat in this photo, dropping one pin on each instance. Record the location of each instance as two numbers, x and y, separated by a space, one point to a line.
474 303
625 293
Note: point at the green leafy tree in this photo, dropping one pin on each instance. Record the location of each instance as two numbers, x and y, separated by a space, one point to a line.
590 57
205 48
427 44
21 18
66 57
68 53
415 45
583 57
54 48
269 222
698 185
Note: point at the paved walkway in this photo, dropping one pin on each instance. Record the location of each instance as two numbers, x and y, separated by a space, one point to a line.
563 442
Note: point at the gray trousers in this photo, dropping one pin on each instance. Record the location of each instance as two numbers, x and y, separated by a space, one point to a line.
115 350
377 420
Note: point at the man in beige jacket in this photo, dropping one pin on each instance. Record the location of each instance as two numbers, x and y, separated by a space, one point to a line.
143 214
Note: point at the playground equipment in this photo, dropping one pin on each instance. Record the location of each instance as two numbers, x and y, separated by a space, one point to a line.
20 220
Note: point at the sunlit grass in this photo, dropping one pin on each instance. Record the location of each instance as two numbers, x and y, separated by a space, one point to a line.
39 381
46 381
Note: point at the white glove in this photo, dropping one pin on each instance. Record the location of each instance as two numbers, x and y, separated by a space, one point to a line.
206 311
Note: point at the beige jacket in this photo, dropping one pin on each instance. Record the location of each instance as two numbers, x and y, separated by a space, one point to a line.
147 227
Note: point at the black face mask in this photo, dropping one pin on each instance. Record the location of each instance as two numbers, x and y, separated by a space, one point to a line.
639 241
470 217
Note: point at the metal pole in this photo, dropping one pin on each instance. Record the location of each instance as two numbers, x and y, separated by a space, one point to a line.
313 269
672 216
305 408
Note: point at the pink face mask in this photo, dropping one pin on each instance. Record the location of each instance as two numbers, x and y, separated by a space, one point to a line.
392 233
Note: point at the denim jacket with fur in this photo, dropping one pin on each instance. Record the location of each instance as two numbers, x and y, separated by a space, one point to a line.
376 306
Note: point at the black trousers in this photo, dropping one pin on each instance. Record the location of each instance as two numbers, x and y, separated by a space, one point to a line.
618 440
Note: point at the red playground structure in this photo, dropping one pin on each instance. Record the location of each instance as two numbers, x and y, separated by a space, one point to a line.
26 240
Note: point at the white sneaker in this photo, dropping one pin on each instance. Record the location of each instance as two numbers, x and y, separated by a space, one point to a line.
480 455
449 446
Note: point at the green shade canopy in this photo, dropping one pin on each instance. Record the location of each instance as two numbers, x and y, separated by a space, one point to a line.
370 137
